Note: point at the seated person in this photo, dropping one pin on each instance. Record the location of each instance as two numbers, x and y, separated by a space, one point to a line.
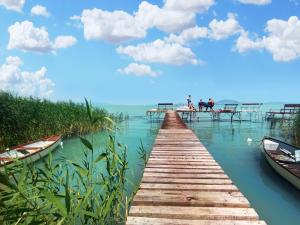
201 105
191 107
210 104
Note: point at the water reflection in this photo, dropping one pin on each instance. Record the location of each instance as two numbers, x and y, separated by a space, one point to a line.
276 200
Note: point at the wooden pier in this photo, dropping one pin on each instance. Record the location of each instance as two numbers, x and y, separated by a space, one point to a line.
183 184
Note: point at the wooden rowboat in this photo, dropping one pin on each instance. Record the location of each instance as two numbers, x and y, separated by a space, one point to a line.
30 152
284 159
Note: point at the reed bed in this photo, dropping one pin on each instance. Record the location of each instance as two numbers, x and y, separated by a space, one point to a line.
91 192
26 119
296 130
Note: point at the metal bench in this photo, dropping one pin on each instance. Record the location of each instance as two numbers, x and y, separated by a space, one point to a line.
290 109
165 106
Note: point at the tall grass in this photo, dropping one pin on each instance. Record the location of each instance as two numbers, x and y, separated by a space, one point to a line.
92 192
25 119
296 129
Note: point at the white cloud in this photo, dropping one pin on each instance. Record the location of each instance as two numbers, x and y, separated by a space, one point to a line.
244 44
39 10
12 78
15 5
198 6
217 30
112 27
150 16
223 29
138 70
64 42
75 17
24 36
282 40
119 26
256 2
160 51
188 35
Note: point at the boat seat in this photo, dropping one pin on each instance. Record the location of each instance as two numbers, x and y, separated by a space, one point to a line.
297 156
285 151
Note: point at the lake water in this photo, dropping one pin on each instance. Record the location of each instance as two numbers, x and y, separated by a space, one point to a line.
276 201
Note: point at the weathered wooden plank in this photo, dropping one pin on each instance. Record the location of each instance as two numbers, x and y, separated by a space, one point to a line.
183 158
186 175
180 156
173 162
163 221
190 187
205 213
164 180
180 150
190 198
156 151
184 170
191 153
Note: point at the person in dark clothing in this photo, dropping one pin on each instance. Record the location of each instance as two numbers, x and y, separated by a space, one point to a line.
200 105
210 104
189 100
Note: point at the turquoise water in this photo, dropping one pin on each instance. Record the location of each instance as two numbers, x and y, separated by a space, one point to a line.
276 201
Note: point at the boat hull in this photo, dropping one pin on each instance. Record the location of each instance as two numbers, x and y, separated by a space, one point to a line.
35 155
293 179
42 154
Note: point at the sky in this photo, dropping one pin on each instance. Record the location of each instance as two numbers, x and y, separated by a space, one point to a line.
144 52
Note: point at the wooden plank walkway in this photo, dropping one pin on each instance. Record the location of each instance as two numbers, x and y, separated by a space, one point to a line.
183 184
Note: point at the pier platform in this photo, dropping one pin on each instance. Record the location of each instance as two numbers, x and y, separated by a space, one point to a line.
183 184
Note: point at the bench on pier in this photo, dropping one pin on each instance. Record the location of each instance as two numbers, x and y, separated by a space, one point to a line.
160 110
165 106
229 108
251 107
288 109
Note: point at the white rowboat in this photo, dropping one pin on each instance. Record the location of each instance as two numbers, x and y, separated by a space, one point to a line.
284 159
30 152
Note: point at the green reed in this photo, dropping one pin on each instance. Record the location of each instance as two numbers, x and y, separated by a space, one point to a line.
296 129
26 119
91 192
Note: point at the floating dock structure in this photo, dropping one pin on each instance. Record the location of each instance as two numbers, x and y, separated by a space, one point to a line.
288 112
162 108
183 184
230 112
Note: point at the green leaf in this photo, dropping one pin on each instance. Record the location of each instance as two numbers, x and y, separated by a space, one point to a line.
82 171
67 193
101 157
88 109
109 120
86 143
55 200
4 179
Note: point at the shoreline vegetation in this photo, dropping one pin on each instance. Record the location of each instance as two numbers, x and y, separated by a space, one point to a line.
91 192
296 130
24 119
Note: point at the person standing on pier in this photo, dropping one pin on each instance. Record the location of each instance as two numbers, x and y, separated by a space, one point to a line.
189 100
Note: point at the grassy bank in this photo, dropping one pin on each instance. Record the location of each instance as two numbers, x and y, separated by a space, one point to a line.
25 119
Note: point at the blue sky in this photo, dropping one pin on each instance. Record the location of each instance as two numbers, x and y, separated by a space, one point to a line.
134 52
